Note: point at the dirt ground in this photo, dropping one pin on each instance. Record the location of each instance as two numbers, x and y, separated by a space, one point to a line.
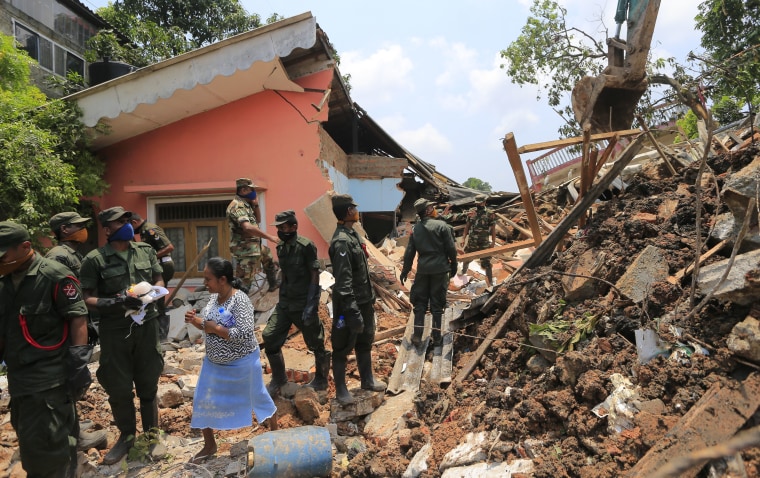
537 408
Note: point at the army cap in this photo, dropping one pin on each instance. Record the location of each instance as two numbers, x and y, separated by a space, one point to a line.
480 198
112 214
343 200
243 183
12 234
64 218
285 217
421 204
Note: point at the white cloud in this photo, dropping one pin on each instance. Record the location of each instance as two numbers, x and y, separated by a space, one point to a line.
426 141
380 75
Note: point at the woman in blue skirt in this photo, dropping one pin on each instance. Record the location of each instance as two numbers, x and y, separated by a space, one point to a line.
231 382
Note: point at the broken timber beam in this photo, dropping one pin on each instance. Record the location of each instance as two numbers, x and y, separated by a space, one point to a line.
510 146
545 249
496 331
470 256
675 279
529 148
716 417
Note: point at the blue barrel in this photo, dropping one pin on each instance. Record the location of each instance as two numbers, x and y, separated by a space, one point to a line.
301 452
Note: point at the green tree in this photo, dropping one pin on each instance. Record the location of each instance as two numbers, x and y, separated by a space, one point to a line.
45 166
477 184
731 39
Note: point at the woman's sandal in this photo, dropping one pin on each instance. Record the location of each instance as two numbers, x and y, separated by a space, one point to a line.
198 459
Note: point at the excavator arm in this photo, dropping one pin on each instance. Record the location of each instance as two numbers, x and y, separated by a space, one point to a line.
608 102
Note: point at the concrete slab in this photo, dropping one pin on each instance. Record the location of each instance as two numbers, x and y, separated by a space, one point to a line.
650 266
389 418
442 355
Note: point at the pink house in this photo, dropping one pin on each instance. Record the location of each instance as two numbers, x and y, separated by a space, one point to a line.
269 104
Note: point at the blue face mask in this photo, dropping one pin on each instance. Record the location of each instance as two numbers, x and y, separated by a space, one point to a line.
125 233
251 195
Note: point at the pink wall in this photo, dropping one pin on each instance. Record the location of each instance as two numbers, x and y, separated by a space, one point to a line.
264 137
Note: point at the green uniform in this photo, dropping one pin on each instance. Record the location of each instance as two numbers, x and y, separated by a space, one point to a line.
130 353
34 314
352 291
248 252
433 241
155 236
297 258
67 256
479 235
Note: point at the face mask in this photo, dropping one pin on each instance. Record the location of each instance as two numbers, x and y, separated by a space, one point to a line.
7 268
125 233
434 213
286 236
80 236
251 195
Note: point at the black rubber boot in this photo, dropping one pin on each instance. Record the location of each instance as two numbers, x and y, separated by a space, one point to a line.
322 366
364 363
342 395
279 377
435 334
126 422
419 327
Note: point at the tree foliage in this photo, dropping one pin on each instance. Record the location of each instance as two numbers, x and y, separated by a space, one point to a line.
731 39
161 29
45 166
477 184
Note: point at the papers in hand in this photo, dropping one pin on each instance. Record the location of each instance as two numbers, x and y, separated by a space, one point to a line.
155 293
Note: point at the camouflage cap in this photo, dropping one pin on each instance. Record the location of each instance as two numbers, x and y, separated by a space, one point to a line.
244 182
480 198
421 204
12 234
285 217
111 214
343 200
64 218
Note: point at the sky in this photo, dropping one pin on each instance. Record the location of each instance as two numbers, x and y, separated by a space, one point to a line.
429 72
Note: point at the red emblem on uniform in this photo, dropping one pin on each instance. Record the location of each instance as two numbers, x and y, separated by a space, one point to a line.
70 291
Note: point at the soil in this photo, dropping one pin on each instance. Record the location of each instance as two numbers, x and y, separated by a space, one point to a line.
536 408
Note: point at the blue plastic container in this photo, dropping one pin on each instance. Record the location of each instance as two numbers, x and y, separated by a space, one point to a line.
301 452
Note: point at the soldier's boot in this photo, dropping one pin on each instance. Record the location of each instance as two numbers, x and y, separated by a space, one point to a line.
465 266
342 395
435 334
279 377
322 366
419 327
124 416
91 439
364 364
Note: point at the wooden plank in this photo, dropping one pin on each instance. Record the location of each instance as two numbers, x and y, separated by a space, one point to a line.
513 246
407 371
676 278
546 248
510 146
716 417
390 333
529 148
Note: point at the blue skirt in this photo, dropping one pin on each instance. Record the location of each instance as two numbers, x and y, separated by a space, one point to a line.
227 394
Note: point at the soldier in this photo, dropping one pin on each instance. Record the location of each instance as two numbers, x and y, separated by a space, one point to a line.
353 301
244 216
43 340
130 352
69 229
299 304
155 236
481 227
433 240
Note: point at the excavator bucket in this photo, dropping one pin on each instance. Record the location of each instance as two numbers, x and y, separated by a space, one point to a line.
608 102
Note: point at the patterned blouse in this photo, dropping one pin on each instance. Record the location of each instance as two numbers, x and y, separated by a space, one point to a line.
242 339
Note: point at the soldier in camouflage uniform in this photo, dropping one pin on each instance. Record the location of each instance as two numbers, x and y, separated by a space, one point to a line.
353 325
433 240
153 235
243 217
481 229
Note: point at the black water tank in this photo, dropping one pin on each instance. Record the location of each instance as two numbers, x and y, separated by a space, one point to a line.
102 71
